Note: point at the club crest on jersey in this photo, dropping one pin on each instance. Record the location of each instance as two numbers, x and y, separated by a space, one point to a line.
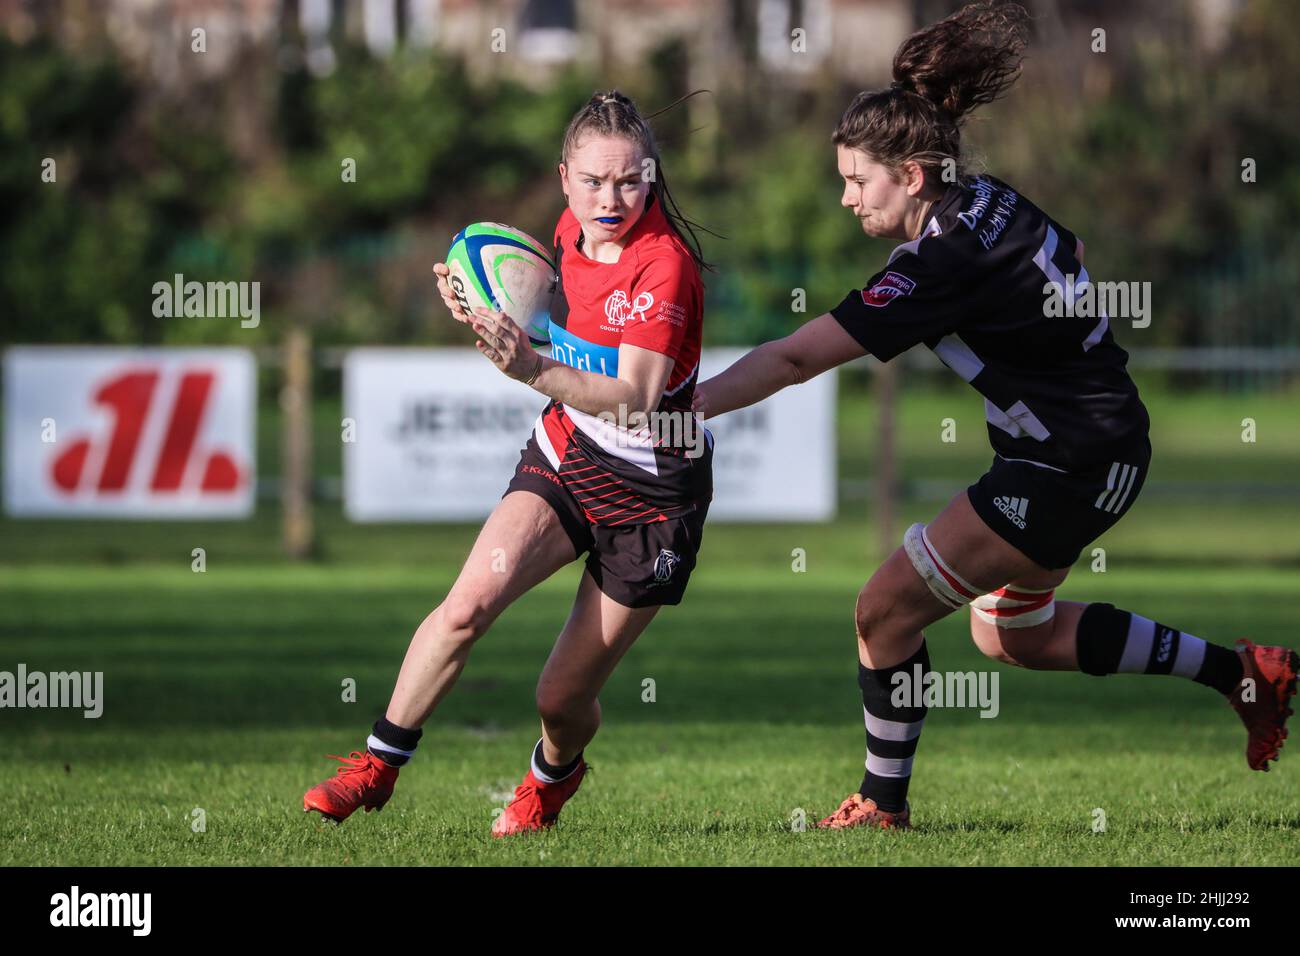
619 311
665 565
890 286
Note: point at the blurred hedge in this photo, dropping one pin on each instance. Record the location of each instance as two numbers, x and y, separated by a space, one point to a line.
150 183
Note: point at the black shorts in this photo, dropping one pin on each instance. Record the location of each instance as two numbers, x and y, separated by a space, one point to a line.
1051 516
637 565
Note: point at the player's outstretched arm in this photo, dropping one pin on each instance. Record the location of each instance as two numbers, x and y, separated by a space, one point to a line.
812 349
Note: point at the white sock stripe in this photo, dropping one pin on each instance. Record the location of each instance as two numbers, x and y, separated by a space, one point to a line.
889 766
374 743
1132 477
1110 484
537 771
1137 648
1191 654
892 729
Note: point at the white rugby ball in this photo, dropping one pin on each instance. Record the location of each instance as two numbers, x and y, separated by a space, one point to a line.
506 269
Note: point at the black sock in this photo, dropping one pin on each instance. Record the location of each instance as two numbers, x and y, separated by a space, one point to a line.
553 772
392 744
1113 641
892 731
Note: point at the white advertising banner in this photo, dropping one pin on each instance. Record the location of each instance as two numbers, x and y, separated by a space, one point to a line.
129 433
435 435
774 461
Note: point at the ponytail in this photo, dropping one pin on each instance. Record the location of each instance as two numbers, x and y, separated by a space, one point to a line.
941 74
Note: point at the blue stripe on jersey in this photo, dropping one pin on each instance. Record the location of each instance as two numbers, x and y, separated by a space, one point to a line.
581 354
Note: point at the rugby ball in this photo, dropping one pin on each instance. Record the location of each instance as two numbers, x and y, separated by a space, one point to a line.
499 267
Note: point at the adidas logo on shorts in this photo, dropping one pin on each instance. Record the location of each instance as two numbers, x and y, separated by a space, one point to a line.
1013 508
1118 484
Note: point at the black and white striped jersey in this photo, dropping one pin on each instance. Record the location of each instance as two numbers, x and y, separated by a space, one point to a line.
974 289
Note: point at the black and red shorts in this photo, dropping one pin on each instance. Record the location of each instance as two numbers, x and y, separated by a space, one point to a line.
637 565
1050 516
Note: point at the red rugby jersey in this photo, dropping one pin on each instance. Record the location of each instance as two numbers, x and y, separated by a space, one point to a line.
651 298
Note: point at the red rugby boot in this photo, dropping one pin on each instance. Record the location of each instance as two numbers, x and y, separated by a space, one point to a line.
1273 669
858 811
536 805
363 781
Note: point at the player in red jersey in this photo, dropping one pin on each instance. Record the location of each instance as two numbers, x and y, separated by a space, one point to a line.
617 467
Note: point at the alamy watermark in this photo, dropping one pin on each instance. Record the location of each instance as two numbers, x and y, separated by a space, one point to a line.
657 429
208 300
1116 300
946 689
75 908
79 690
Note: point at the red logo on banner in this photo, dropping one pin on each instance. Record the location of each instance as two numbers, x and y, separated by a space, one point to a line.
130 398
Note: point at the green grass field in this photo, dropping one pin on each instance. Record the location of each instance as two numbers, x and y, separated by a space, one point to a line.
223 691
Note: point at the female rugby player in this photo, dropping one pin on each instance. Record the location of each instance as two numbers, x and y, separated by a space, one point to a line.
625 341
970 280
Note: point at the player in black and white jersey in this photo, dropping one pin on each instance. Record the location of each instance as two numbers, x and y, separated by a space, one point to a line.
981 278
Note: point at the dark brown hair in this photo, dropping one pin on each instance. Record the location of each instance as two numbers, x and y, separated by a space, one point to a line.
941 74
610 113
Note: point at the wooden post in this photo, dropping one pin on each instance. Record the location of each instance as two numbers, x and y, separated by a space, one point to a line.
295 445
887 505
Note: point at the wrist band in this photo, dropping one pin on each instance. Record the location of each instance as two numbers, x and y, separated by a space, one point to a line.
537 370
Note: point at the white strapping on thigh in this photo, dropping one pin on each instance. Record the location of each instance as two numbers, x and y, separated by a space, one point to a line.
945 583
1011 607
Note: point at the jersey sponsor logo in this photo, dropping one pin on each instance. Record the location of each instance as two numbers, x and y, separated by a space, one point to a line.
575 351
672 313
983 190
619 311
1014 508
665 565
890 286
546 473
985 194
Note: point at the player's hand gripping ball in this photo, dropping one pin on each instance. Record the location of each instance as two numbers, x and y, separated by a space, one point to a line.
502 269
505 345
